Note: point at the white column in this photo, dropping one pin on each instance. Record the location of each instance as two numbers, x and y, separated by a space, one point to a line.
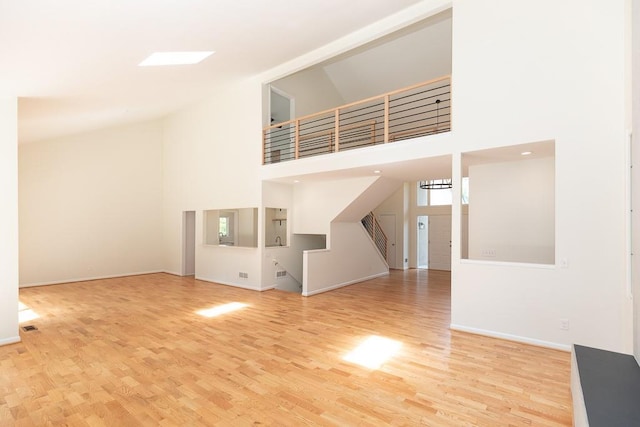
9 220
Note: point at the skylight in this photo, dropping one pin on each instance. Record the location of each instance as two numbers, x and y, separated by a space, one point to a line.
174 58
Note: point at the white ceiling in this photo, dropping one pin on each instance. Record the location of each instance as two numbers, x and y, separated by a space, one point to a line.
436 167
73 63
509 153
413 55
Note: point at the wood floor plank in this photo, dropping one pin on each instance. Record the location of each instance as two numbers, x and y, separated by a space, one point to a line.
134 351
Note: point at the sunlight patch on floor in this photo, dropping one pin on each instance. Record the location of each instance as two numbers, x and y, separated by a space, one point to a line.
373 352
25 313
221 309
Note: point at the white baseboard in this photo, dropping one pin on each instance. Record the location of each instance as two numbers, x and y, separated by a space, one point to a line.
509 337
341 285
88 279
10 340
235 285
173 273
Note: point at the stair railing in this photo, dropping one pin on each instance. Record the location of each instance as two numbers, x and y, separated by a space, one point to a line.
374 229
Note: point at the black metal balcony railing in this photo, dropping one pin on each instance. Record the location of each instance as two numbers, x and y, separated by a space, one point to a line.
418 110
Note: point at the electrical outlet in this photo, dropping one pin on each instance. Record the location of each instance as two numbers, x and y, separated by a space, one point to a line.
564 324
489 253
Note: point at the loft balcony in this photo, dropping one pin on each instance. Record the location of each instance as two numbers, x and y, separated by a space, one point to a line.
411 112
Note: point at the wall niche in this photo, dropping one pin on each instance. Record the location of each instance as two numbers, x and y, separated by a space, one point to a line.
275 227
511 203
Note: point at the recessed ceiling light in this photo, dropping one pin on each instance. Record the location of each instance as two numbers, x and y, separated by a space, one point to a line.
295 181
174 58
376 171
526 153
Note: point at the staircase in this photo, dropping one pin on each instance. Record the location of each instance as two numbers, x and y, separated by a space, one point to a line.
372 225
355 250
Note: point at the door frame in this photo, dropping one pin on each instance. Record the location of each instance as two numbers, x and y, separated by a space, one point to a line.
292 113
391 261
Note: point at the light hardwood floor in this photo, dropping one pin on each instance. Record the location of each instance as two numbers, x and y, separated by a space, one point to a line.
134 351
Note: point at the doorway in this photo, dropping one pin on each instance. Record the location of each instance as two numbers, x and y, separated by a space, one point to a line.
388 224
281 109
188 243
423 241
440 242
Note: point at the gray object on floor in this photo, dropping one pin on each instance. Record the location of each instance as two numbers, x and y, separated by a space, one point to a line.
611 387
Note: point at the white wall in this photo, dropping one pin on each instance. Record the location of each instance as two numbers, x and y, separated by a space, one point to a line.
9 220
312 90
548 85
276 227
212 158
90 205
398 204
351 258
512 211
369 199
388 67
211 221
248 227
290 258
317 203
276 195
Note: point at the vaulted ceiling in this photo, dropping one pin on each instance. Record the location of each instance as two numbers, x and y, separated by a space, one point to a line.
415 54
73 63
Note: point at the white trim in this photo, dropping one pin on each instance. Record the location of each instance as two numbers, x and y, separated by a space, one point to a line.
509 337
341 285
10 340
509 264
628 215
89 279
235 285
173 273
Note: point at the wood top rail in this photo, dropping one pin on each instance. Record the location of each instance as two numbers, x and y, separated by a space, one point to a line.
363 101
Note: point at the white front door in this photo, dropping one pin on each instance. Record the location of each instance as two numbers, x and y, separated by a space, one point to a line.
440 242
388 224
